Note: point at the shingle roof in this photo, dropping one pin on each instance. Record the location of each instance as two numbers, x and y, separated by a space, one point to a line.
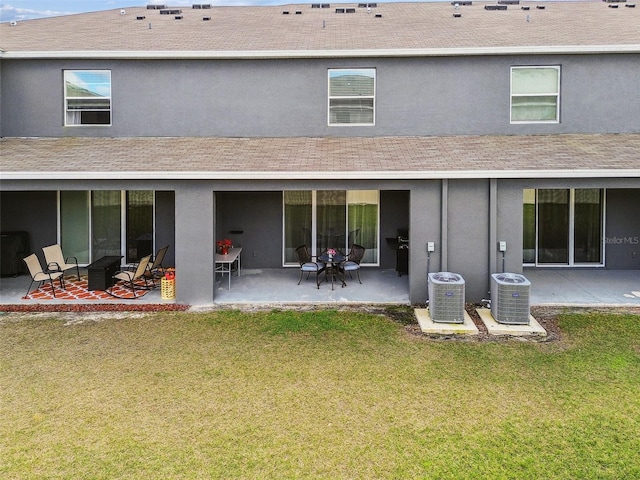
521 156
401 26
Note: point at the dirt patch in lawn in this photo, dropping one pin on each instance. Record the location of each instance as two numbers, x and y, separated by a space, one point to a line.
92 307
547 317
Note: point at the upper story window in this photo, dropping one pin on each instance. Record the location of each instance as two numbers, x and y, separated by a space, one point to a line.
535 94
352 96
87 97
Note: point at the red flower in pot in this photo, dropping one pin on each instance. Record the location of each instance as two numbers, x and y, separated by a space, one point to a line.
224 246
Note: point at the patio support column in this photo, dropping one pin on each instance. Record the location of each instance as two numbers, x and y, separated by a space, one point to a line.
194 244
424 226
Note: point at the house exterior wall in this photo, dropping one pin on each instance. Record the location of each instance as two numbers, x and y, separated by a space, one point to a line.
455 214
622 237
394 216
277 98
259 216
467 235
165 227
425 226
622 217
34 212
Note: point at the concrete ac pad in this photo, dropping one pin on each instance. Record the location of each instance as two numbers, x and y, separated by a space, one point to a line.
430 327
495 328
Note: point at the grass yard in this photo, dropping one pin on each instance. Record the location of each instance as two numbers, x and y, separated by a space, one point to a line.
315 394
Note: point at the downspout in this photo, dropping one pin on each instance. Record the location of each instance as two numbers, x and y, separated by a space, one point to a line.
444 230
493 224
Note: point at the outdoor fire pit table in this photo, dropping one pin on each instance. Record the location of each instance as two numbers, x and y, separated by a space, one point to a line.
101 272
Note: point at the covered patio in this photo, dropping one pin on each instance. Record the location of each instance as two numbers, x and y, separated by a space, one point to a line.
273 286
255 286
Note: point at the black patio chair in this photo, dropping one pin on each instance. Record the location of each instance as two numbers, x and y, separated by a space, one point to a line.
307 264
352 263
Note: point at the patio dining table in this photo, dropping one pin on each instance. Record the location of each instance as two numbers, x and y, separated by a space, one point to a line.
223 263
333 267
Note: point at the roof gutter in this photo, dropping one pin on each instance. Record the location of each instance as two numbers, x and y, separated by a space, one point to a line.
324 175
293 54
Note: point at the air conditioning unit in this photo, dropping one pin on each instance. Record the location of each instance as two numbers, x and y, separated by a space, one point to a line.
446 297
510 298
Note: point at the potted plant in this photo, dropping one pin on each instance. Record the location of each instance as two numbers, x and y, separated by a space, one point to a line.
224 246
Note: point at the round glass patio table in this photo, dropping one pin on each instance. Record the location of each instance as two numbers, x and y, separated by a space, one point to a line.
333 267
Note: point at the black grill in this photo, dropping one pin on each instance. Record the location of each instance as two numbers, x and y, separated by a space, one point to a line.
400 244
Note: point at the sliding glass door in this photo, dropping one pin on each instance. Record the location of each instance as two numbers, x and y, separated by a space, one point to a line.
74 226
96 223
106 232
563 226
324 219
553 226
139 224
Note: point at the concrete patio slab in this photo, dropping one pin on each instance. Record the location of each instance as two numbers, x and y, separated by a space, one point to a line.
430 327
495 328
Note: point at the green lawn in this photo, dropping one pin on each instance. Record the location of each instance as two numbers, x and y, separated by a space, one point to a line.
319 394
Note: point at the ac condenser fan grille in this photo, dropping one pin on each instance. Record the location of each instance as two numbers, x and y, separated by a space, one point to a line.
510 298
446 297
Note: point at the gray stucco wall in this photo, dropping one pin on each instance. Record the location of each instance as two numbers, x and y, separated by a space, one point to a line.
509 228
259 216
165 216
34 212
394 215
622 237
414 96
197 209
468 247
425 226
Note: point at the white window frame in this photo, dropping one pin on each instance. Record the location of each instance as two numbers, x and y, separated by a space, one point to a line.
513 95
571 263
344 97
68 111
313 229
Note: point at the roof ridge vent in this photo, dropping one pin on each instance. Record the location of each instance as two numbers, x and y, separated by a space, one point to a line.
508 2
156 7
201 6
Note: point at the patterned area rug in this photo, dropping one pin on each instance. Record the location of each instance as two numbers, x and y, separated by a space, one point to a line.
77 290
